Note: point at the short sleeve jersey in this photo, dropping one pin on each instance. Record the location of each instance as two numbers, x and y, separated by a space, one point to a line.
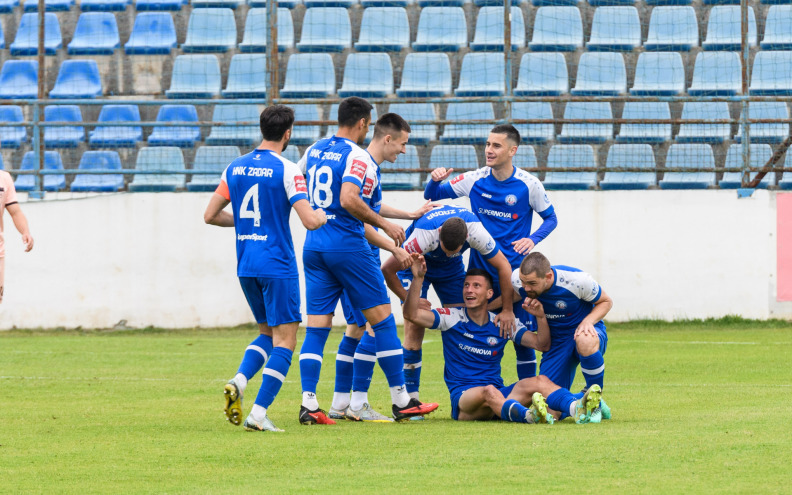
262 186
8 197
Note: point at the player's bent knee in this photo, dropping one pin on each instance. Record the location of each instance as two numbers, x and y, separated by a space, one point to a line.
377 313
587 345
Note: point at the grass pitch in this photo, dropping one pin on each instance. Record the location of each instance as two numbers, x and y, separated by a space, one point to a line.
698 407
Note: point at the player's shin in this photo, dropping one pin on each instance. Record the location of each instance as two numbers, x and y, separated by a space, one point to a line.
344 373
391 359
272 377
363 369
526 361
255 356
561 400
311 354
515 412
593 368
412 371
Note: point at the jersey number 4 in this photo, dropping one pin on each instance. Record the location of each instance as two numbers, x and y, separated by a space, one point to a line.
252 195
320 183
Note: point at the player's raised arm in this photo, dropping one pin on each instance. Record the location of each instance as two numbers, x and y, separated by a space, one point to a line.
506 317
434 189
541 339
411 309
388 211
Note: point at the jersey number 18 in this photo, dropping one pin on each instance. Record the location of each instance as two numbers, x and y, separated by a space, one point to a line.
319 184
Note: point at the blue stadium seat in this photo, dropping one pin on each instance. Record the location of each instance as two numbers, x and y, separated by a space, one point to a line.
117 136
285 4
601 74
599 3
333 115
292 153
777 34
425 74
306 134
153 34
542 74
19 79
441 29
330 3
238 135
325 29
195 76
533 133
585 132
724 28
309 75
525 158
543 3
8 6
98 160
245 76
228 4
785 181
255 38
2 37
570 156
645 133
615 29
689 156
368 75
49 5
77 79
766 133
183 137
402 181
482 74
441 3
212 159
704 133
96 34
630 155
420 133
103 5
52 161
210 30
772 73
384 29
672 29
490 28
468 133
157 159
721 2
26 40
760 154
385 3
11 137
453 155
716 74
659 74
557 29
776 2
63 137
145 5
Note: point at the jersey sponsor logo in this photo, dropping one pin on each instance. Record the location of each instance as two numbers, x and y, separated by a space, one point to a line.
315 153
300 185
511 200
331 217
239 171
485 195
413 247
475 350
260 172
444 311
368 186
561 305
358 169
498 214
457 179
251 237
492 340
440 213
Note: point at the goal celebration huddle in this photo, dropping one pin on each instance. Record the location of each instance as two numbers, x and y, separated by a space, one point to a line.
509 292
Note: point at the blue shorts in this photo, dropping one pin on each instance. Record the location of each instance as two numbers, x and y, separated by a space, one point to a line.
329 274
448 284
560 363
352 316
274 301
458 394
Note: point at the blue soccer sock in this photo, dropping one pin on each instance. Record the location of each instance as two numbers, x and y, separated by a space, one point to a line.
391 359
514 411
344 372
273 375
593 368
363 366
526 361
412 371
561 400
256 355
311 354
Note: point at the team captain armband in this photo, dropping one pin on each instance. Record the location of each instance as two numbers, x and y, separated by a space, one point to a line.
222 190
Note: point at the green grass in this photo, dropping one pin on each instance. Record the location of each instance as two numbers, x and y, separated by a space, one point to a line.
698 407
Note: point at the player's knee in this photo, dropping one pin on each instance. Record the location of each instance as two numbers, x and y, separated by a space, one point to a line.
587 345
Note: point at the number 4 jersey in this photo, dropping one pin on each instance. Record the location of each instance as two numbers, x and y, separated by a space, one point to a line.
262 186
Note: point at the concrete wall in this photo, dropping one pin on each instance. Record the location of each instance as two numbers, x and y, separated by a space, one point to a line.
149 258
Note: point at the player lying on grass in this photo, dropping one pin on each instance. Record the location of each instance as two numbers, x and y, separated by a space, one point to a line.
473 349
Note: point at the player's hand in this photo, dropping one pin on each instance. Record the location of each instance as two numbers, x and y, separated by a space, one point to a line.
27 239
441 174
394 232
418 266
585 329
321 216
505 320
534 307
402 257
423 210
424 304
523 246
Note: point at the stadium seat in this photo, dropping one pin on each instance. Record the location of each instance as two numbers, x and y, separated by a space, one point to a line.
26 40
292 153
669 2
570 156
117 136
766 133
103 5
441 29
385 3
777 34
402 181
77 79
330 3
96 34
2 37
785 181
368 75
211 159
306 134
542 3
482 74
453 155
704 133
542 74
52 161
245 76
210 30
8 6
11 137
585 132
659 74
153 34
468 133
309 75
333 115
533 133
282 4
144 5
158 159
616 3
425 74
325 29
760 154
557 29
601 74
19 79
630 155
420 133
384 29
238 135
490 28
721 2
183 137
49 6
724 29
689 156
672 29
63 137
615 29
525 158
98 160
228 4
255 38
195 76
772 74
645 133
716 74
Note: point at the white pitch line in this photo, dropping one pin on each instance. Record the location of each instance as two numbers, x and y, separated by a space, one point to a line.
698 342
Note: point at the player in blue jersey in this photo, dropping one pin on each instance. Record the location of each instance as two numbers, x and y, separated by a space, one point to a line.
262 188
342 179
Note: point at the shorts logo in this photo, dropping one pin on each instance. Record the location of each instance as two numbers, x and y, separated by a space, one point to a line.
561 305
492 341
358 169
299 184
457 179
511 200
412 247
368 186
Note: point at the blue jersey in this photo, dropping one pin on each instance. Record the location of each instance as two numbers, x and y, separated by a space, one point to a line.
262 186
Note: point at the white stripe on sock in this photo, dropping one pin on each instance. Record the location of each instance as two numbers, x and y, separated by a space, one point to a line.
593 372
317 357
526 362
257 349
412 366
345 358
275 374
394 352
366 357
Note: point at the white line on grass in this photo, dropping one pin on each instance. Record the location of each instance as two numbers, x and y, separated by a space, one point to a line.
698 342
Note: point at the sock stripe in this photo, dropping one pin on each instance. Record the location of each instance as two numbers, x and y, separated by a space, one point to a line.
394 352
309 355
273 373
596 371
526 362
257 349
345 358
412 366
366 357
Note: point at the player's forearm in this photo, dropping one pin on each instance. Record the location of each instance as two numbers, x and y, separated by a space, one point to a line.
549 223
221 219
377 239
387 211
360 210
20 221
394 284
411 300
542 334
437 190
600 310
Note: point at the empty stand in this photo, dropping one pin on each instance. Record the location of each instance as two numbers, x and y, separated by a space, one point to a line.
291 153
716 74
152 34
8 6
533 133
368 75
210 30
659 74
441 3
157 159
586 132
195 76
689 156
724 29
117 136
767 133
557 29
525 158
420 133
99 160
570 156
77 79
230 4
384 29
245 76
143 5
63 137
325 29
96 34
11 137
453 155
601 74
468 133
645 133
184 137
541 3
615 29
211 159
103 5
286 4
778 34
238 135
401 181
785 181
19 79
425 74
760 153
704 133
490 29
52 161
542 74
772 73
441 29
630 155
49 5
330 3
309 75
306 134
672 28
482 74
255 37
26 40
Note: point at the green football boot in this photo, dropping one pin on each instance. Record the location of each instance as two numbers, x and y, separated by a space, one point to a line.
233 403
538 409
586 404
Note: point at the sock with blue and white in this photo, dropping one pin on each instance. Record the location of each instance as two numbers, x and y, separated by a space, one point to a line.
272 377
514 411
255 356
593 368
311 354
412 371
390 358
563 401
526 361
363 370
344 372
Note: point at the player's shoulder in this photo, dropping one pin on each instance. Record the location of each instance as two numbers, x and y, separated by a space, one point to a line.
458 314
572 279
526 178
472 176
5 176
